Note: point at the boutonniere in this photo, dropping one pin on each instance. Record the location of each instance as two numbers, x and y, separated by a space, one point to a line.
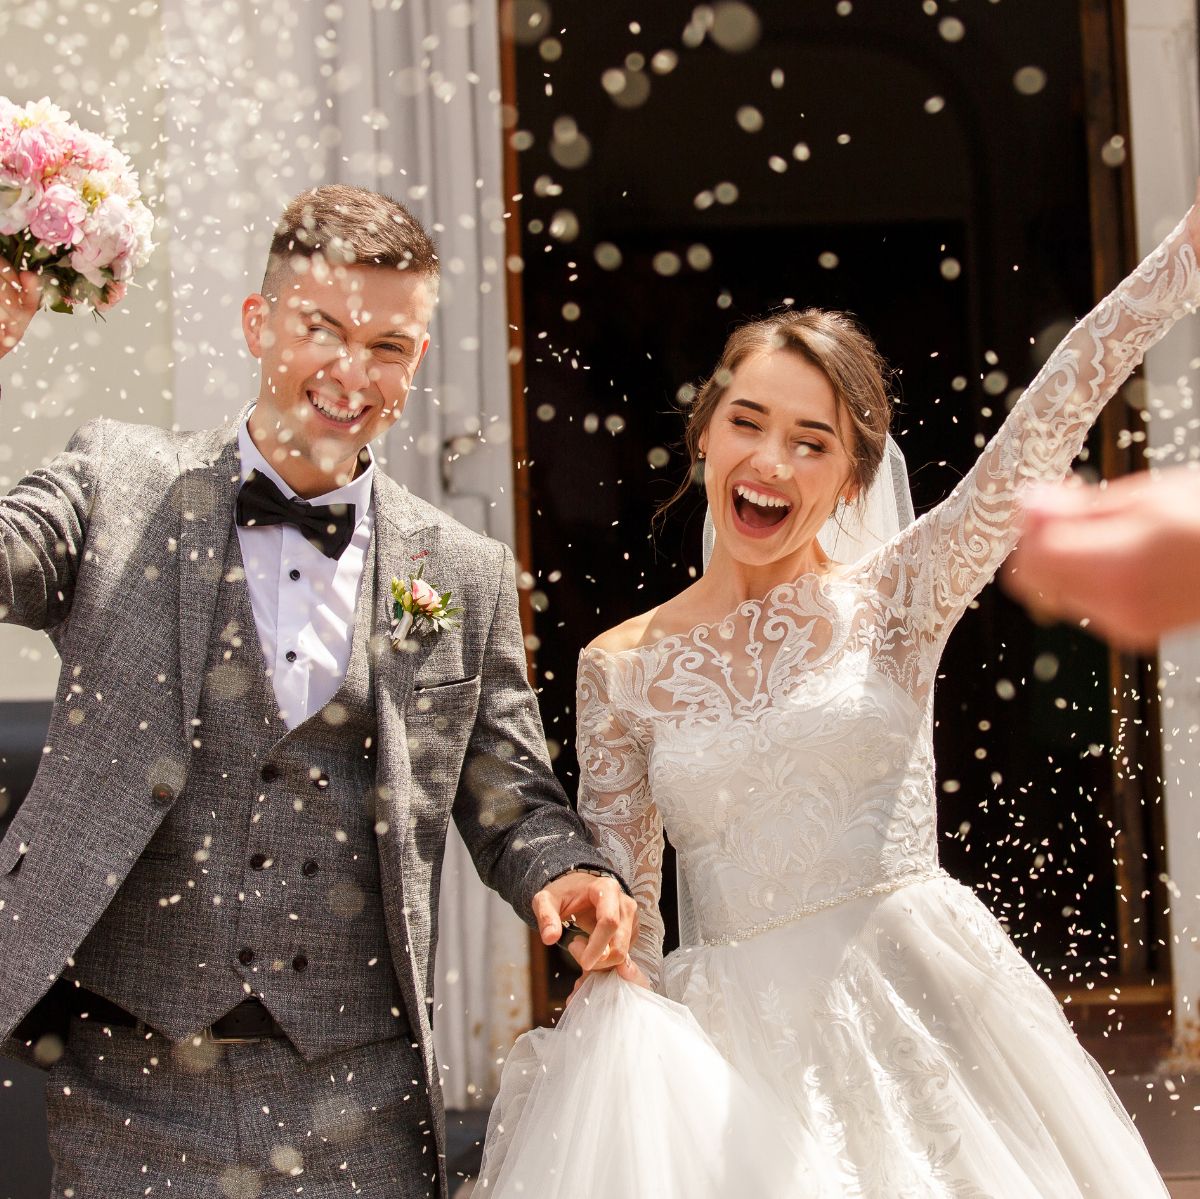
419 606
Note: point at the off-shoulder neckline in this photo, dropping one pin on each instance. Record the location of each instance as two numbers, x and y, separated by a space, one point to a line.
822 580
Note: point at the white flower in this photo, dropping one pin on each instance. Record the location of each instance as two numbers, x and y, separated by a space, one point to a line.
19 200
45 112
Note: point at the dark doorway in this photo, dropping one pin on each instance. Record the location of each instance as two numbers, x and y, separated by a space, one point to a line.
924 166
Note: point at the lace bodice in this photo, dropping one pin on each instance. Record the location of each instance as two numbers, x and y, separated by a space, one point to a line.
788 748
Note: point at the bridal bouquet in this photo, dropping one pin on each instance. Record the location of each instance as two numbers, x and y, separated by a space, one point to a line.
70 208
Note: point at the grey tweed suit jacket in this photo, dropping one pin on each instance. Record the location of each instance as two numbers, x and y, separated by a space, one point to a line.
116 550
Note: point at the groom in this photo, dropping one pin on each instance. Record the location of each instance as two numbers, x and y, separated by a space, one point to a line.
218 904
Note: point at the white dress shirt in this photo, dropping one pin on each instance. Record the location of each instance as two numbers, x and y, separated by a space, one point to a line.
304 602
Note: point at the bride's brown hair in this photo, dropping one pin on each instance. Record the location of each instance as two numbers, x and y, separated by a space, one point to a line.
839 348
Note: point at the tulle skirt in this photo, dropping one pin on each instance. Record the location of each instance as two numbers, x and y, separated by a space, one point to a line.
893 1047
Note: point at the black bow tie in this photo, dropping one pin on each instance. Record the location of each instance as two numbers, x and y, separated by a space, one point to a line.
328 527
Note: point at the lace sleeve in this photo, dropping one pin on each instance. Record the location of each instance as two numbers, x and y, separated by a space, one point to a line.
944 560
615 803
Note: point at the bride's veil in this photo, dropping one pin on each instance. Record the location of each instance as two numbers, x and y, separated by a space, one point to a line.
852 532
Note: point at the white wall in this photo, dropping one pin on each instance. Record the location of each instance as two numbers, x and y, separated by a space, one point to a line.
103 67
1165 111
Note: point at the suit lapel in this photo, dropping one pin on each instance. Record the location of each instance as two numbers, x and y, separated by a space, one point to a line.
210 480
399 535
401 538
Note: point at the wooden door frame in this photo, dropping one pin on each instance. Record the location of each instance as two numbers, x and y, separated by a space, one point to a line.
539 980
1136 796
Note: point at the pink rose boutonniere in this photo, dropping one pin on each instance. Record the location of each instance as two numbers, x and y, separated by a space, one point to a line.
419 607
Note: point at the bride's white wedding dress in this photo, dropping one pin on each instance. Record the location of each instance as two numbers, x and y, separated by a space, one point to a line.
843 1019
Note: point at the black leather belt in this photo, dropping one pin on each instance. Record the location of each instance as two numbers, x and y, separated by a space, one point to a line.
249 1021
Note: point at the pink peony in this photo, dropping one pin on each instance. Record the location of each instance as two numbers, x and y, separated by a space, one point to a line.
59 218
109 240
91 152
425 597
34 152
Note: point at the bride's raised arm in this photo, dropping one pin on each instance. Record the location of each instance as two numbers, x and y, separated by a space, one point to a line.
615 803
948 556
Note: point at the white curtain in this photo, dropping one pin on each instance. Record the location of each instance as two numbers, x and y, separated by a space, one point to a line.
264 100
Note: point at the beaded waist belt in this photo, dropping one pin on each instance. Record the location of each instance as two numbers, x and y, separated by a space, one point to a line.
824 905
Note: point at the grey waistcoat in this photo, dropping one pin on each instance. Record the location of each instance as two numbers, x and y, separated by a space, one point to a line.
264 877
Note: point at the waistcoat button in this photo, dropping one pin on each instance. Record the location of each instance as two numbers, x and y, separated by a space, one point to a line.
258 860
162 795
245 956
299 962
290 655
294 574
269 773
309 868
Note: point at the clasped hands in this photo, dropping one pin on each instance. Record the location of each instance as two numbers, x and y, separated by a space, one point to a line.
605 917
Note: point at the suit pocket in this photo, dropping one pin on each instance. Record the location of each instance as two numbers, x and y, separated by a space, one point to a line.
439 719
12 851
457 697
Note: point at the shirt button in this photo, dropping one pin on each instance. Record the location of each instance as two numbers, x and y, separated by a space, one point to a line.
309 868
258 860
245 956
269 773
290 655
299 962
294 575
162 795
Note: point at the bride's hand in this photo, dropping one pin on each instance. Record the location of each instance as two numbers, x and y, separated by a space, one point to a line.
631 972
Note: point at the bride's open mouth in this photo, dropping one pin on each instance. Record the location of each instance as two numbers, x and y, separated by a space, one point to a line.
758 512
334 412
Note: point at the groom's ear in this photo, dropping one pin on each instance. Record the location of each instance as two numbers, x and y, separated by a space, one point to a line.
254 316
422 351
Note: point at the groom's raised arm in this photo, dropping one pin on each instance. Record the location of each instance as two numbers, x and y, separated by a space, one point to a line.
43 526
43 520
510 809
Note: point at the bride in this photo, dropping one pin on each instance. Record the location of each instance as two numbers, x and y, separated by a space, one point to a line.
842 1018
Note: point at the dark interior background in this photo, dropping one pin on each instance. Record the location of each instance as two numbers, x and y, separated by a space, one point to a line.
995 179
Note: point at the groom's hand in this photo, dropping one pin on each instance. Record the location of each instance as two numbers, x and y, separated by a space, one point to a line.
595 904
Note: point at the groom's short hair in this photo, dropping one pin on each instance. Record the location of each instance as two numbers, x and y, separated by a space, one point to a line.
350 226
